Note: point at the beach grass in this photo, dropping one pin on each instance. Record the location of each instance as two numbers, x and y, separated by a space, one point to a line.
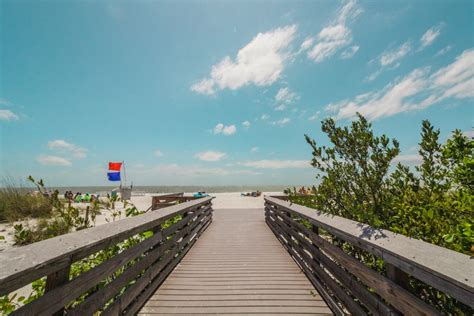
18 202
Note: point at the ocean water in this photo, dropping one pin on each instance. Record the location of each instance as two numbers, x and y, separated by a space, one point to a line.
176 189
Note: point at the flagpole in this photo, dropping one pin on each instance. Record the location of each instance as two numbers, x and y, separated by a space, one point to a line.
124 172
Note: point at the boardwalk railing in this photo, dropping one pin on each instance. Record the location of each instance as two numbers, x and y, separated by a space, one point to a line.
165 200
145 253
313 239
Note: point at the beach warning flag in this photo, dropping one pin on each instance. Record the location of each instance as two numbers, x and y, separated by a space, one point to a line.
115 166
113 176
114 171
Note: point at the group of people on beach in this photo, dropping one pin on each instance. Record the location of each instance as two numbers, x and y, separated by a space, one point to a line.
79 197
252 194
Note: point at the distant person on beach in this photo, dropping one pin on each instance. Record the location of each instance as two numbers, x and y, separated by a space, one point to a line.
252 194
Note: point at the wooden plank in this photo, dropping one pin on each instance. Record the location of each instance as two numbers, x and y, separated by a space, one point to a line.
99 298
451 272
396 295
374 304
138 303
230 270
286 310
59 297
227 298
312 272
22 265
393 293
131 293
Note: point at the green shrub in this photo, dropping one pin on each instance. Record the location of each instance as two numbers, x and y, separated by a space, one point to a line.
434 202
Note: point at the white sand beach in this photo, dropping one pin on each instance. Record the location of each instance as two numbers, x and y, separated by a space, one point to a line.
231 200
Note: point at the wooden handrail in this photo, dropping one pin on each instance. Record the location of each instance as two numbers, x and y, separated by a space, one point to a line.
144 265
165 200
448 271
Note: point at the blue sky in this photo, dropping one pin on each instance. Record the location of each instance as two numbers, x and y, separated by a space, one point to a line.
219 93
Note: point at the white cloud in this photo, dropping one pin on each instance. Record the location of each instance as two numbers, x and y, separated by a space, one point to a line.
390 59
443 50
281 107
430 35
410 159
158 153
392 56
314 116
306 44
336 35
225 130
282 122
7 115
469 133
246 124
210 155
264 117
349 52
277 164
415 91
260 62
62 146
53 160
286 96
254 149
205 86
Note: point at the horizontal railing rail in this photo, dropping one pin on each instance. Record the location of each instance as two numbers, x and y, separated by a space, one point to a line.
347 283
166 200
146 254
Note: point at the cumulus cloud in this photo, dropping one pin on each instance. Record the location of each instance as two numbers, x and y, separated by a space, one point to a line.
254 149
264 117
205 86
7 115
210 155
261 62
64 147
277 164
158 153
286 96
335 36
53 160
417 90
430 35
246 124
225 130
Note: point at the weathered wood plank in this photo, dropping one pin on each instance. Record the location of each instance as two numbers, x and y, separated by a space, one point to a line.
23 265
237 265
451 273
394 294
121 303
375 305
99 298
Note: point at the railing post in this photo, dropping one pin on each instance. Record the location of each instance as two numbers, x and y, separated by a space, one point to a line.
398 276
315 230
56 279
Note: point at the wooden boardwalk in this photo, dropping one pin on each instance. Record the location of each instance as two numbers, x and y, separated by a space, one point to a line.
237 267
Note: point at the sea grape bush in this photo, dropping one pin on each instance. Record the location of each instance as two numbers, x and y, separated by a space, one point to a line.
433 201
